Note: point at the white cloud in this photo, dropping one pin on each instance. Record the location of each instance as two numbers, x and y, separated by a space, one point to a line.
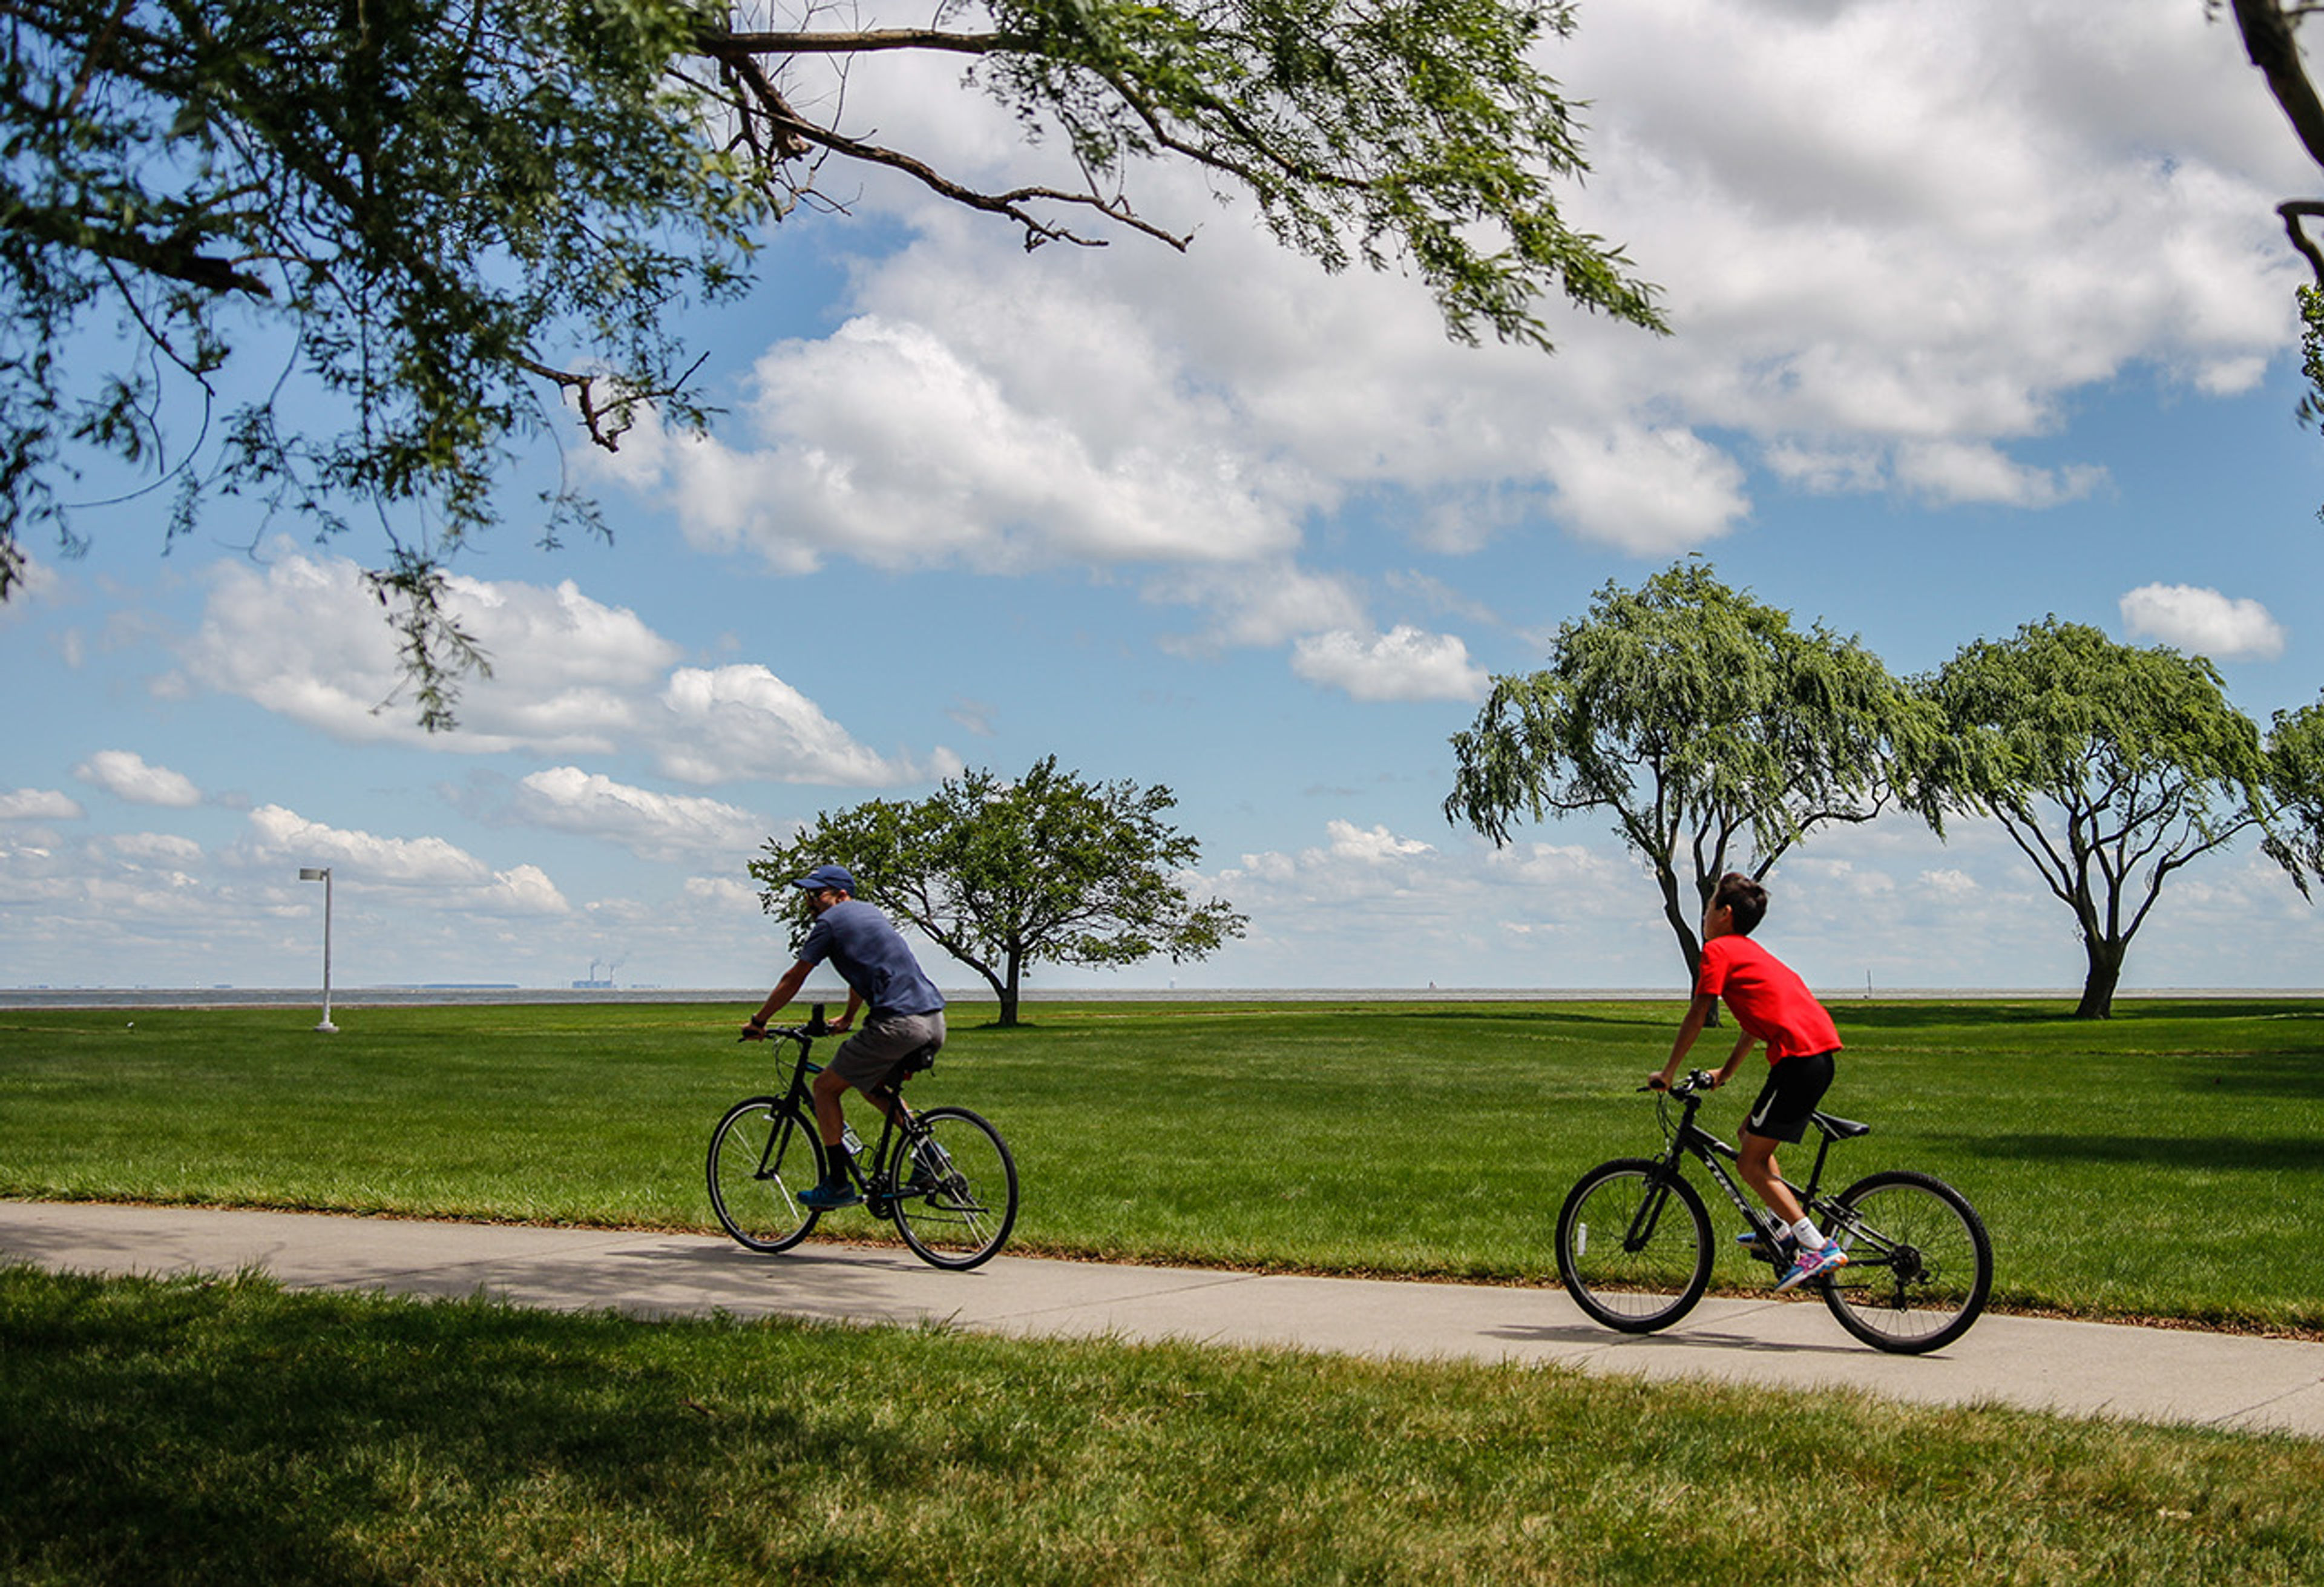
743 722
1952 472
1403 664
1893 242
897 444
1261 607
2202 623
38 804
1649 492
305 639
653 825
570 676
455 878
1373 846
126 776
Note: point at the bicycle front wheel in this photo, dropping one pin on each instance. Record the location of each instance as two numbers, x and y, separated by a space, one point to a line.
762 1154
1634 1245
1919 1264
957 1189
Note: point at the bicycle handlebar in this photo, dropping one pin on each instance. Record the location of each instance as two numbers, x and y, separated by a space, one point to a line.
808 1032
1696 1080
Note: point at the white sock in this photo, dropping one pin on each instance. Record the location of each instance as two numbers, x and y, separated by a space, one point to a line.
1809 1237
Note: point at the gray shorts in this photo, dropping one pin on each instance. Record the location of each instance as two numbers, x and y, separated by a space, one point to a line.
869 1056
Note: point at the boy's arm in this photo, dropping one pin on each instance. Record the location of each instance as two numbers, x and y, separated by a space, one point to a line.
1743 1045
1697 1015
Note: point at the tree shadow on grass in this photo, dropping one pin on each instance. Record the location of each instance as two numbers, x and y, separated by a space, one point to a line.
186 1431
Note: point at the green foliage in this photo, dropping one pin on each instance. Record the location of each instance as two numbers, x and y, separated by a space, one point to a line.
1005 875
2110 766
1418 131
444 228
192 1432
2295 782
409 206
1701 721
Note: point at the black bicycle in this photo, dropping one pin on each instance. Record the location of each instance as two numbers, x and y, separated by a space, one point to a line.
1634 1243
944 1177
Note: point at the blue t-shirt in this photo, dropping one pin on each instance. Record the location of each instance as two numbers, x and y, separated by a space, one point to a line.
872 958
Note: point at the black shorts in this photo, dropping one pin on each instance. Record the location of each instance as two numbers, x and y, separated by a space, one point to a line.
1795 1086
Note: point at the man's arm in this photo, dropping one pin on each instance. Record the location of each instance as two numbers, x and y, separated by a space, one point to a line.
785 989
1697 1015
854 1005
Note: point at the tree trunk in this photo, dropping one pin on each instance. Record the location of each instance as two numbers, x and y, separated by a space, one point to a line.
2104 975
1010 990
1690 946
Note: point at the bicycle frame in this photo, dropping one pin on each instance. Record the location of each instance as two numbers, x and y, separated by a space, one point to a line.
878 1185
1689 1138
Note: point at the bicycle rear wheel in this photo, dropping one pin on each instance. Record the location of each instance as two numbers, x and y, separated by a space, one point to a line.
1919 1264
762 1154
956 1197
1634 1245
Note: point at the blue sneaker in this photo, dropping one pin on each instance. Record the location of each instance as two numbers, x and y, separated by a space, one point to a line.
1812 1264
829 1198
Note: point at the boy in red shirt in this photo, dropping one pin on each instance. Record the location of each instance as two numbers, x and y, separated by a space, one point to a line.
1771 1004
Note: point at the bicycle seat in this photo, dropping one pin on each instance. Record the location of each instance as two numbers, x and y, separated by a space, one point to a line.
910 1063
1839 1129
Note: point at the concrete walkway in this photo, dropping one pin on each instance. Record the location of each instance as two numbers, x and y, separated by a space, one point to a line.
2078 1369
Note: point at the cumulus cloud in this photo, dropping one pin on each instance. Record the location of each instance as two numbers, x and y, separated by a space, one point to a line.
652 826
126 776
894 445
743 722
303 638
570 676
1403 664
456 880
2202 623
38 804
1893 241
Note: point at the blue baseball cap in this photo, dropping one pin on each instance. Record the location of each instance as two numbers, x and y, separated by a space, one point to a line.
823 876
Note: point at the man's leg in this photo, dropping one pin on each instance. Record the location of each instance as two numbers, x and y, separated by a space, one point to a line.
831 1124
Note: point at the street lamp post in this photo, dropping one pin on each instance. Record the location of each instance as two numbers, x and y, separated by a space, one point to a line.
323 874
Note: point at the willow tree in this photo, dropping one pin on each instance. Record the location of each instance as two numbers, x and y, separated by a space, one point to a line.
2270 32
2295 786
350 259
1715 735
1005 875
2111 767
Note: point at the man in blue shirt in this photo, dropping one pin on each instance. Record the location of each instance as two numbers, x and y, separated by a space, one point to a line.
906 1011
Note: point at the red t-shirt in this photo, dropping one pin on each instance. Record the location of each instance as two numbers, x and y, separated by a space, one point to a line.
1769 1001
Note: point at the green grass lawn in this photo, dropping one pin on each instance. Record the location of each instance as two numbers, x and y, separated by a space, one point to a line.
2169 1162
167 1433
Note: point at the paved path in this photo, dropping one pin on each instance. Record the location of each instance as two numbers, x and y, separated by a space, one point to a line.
2080 1369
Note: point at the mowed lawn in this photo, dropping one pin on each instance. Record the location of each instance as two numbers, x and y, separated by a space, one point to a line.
2166 1163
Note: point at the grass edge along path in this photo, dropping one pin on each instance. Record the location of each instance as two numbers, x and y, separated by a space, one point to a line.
177 1430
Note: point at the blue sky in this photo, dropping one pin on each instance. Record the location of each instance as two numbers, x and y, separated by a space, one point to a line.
1982 314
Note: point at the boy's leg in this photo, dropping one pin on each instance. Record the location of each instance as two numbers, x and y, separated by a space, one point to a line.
1755 1159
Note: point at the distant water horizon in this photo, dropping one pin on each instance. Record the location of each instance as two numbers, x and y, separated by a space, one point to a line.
454 994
